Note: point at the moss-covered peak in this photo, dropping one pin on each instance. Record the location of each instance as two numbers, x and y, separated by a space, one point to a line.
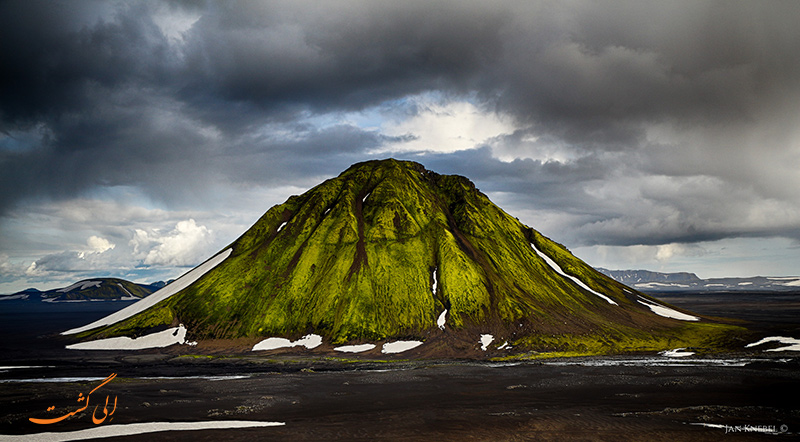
382 251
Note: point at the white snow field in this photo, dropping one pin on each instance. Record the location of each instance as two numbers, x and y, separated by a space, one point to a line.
442 320
553 265
160 295
676 353
83 286
399 346
175 335
15 367
307 341
788 281
667 312
130 296
133 429
355 348
485 341
792 344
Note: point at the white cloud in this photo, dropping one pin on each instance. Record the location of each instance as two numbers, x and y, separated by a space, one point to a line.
672 257
444 127
664 252
99 245
186 245
708 259
96 245
527 144
175 22
31 270
5 264
119 233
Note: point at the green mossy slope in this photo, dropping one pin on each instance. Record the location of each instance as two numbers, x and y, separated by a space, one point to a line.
355 259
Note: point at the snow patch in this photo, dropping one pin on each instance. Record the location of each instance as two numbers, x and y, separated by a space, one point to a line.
130 295
134 429
280 227
69 379
553 265
485 341
792 344
650 285
175 335
655 362
307 341
92 379
82 284
667 312
165 292
504 346
435 281
205 378
273 343
364 200
442 319
355 348
676 353
16 367
795 283
56 301
709 425
13 297
399 346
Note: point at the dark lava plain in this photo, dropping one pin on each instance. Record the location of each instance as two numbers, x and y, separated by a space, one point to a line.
615 398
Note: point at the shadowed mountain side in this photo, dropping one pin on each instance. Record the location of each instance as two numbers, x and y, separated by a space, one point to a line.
95 289
382 250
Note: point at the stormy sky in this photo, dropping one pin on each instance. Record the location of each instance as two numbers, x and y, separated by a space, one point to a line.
137 138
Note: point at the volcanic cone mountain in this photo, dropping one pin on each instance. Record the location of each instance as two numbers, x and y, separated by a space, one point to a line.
389 250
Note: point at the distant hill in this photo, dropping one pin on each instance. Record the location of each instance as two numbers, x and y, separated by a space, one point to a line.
156 285
95 289
648 281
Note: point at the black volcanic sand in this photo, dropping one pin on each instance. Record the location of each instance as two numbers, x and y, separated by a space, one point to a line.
767 311
323 398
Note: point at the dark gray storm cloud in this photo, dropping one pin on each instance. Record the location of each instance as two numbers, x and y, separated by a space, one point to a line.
341 55
115 102
672 105
594 74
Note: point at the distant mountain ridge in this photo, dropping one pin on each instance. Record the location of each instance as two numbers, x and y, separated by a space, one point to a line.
649 281
94 289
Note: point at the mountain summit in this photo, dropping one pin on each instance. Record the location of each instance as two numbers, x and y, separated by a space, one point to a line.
390 250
